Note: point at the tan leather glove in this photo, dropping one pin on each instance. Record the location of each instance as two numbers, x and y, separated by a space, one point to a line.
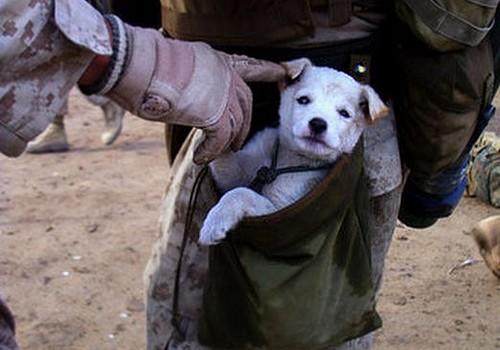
185 83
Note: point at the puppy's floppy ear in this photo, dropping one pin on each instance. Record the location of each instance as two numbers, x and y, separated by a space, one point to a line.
371 104
293 70
296 67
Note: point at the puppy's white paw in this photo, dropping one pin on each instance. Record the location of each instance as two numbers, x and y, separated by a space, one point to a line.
235 205
216 226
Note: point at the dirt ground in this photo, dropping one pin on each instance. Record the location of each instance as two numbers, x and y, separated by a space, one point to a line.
76 230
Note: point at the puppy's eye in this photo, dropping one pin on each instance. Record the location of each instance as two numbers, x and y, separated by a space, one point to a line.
344 113
303 100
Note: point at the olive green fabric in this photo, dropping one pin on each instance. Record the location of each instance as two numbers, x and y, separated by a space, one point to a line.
235 22
438 99
296 279
446 25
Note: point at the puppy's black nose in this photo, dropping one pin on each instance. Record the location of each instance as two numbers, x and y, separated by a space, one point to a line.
317 126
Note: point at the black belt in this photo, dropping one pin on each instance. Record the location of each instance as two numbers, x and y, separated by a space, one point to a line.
336 55
372 53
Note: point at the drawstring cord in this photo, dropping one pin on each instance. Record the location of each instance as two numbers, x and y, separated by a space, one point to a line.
265 175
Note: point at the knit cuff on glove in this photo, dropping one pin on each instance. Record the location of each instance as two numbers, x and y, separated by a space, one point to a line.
119 57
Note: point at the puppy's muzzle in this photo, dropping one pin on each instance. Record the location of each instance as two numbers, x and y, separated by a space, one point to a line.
317 126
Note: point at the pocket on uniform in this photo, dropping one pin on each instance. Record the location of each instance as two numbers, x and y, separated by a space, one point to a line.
438 101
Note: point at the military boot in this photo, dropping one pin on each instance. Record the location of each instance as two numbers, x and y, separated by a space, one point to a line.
113 115
53 139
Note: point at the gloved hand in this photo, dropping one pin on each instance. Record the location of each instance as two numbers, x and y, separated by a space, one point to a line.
185 83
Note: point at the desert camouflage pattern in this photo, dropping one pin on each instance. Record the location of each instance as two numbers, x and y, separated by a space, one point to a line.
160 272
45 46
385 181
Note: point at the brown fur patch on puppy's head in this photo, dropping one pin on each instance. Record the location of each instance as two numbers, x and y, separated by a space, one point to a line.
373 108
486 233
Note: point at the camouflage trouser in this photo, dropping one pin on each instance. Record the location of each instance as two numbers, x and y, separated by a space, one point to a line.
384 173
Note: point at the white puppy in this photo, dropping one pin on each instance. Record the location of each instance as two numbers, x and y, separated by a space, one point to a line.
323 112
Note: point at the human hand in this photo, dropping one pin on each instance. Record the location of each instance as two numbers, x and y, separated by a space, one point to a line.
185 83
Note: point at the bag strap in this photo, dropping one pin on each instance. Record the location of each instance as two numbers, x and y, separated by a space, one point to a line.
442 21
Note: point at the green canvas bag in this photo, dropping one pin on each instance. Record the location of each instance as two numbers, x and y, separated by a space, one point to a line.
298 279
446 25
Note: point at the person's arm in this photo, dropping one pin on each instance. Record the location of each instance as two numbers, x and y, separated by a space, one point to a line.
154 77
171 81
45 46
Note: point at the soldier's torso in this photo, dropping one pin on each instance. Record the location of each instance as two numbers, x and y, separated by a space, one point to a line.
289 23
277 30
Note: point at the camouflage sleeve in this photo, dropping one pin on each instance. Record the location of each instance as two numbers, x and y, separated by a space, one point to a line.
7 329
45 46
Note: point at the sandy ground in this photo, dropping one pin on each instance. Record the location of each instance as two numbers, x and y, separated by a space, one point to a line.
76 230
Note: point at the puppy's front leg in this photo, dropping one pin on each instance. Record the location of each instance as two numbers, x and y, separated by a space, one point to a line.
235 205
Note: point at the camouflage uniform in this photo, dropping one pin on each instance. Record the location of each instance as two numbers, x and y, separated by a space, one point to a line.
45 46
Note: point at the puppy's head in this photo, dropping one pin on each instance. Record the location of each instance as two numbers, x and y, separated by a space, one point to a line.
323 111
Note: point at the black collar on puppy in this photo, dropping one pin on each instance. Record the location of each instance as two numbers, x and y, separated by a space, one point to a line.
265 175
